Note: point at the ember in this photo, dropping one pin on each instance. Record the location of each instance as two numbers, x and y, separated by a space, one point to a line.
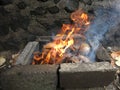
69 45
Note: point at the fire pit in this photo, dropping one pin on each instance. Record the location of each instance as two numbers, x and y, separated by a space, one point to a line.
67 76
66 63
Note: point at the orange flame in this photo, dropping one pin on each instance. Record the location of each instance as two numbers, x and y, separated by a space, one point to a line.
53 52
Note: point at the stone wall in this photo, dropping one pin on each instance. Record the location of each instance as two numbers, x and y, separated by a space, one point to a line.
22 20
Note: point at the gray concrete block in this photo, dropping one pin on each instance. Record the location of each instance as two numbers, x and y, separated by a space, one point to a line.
109 87
98 88
25 58
86 75
30 77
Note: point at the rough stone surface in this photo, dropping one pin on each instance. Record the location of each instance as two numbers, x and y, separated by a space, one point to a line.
38 11
31 77
43 0
15 40
21 5
6 31
86 75
10 8
56 1
36 28
71 5
89 2
53 10
5 2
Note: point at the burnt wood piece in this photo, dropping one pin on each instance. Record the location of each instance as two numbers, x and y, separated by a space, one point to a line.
25 58
86 75
30 77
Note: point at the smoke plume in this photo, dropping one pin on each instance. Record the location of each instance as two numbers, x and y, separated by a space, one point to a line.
105 19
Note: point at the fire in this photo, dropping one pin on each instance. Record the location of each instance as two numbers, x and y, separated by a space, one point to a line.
54 52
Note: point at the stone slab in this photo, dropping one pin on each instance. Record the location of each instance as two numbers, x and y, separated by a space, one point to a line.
30 77
86 75
25 58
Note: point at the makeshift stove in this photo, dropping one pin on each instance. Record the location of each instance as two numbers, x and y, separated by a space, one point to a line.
66 63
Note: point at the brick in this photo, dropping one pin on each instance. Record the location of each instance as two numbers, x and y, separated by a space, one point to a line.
86 75
25 58
30 77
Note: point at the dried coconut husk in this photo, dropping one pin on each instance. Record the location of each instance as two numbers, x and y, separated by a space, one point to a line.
116 57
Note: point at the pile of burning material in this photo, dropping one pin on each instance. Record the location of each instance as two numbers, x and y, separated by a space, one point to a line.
69 45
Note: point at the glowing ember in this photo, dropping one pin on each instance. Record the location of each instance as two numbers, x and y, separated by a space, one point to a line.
55 52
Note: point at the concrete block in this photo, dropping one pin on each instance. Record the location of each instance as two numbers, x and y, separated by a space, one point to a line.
25 58
98 88
30 77
86 75
109 87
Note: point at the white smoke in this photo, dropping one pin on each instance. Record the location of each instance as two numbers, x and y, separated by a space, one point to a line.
105 19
